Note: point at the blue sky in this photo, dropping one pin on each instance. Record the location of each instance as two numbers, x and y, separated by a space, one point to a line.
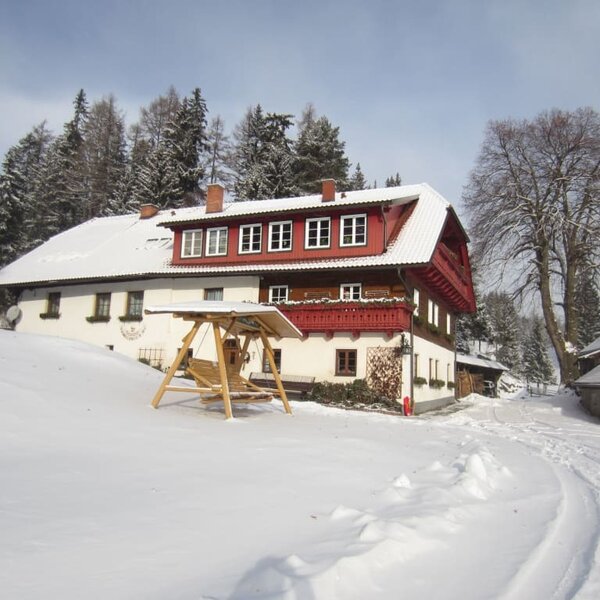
410 84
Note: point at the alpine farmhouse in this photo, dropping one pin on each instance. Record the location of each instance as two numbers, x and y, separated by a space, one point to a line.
360 273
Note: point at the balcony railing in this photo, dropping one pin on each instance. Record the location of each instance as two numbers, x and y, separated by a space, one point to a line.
352 317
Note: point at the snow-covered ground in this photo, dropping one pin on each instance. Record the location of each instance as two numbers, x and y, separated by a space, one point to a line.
103 497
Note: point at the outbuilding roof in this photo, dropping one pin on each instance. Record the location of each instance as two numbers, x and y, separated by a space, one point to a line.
129 247
590 379
590 349
478 361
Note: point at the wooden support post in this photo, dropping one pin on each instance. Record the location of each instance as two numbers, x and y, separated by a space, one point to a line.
222 371
271 359
187 340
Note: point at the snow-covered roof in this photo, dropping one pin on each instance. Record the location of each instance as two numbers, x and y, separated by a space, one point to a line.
270 316
590 379
130 247
591 349
478 361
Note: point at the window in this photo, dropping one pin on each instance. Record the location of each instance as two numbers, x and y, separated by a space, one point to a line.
102 310
350 291
431 369
280 236
278 293
448 324
416 374
52 306
416 300
216 241
213 294
191 243
135 305
353 230
250 238
433 313
276 356
318 233
345 362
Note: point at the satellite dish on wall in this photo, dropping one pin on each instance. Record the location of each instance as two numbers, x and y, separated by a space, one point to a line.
13 314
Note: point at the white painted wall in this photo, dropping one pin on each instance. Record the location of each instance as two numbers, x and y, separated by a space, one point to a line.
313 356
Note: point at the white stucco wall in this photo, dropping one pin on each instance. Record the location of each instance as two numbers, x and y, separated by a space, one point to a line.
161 335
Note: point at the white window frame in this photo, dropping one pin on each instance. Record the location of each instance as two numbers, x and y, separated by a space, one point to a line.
433 313
353 218
319 221
281 225
272 288
251 229
218 231
194 233
416 300
352 288
448 324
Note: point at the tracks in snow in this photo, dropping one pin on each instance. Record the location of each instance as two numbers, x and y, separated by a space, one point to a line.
566 562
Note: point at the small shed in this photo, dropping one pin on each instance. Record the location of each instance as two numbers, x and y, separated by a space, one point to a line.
588 387
589 357
477 374
237 322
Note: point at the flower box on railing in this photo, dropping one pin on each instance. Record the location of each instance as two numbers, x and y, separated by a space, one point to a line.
389 317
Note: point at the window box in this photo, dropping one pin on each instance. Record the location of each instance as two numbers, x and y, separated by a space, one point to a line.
49 315
450 385
419 381
98 319
437 383
126 318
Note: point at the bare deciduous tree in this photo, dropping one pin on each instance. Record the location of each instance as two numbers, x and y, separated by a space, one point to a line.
534 206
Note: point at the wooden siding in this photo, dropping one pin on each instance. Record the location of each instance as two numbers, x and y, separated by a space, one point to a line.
315 285
375 238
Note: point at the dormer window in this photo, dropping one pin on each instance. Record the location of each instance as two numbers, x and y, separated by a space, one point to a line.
191 243
318 233
216 241
353 230
250 238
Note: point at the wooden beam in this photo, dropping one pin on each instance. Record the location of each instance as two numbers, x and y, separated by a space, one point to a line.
187 340
271 359
222 371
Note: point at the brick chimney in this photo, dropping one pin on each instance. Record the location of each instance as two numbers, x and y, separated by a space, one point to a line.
328 190
148 210
214 198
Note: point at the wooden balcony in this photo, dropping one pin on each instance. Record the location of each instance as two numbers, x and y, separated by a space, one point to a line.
448 278
351 317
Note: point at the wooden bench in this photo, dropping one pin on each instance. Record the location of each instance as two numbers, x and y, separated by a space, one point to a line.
295 384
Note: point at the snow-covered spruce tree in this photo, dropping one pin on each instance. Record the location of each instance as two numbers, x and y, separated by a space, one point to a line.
262 156
393 181
506 332
17 203
357 181
158 182
105 153
537 367
587 299
534 209
186 140
216 158
473 329
320 154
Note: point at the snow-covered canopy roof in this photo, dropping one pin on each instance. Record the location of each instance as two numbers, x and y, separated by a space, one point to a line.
246 313
130 247
590 379
591 349
478 361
